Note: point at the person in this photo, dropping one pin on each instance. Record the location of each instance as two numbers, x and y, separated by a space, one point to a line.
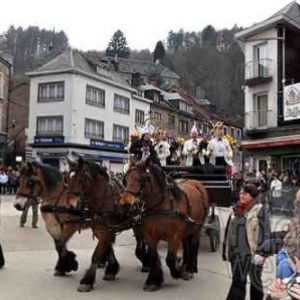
3 181
218 148
162 149
34 206
190 148
2 260
247 227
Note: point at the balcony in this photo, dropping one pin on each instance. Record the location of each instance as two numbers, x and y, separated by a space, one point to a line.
258 71
258 120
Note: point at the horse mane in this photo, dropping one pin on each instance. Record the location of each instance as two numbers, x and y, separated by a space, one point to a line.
162 179
50 174
96 169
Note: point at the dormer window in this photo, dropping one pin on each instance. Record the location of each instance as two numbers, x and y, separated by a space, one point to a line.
155 97
183 106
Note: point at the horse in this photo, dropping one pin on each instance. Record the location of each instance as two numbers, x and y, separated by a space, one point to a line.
169 211
100 195
38 181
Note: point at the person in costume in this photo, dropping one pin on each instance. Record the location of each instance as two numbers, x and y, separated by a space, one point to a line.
218 148
162 149
190 148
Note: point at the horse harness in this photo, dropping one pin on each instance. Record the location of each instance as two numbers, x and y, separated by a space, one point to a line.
152 212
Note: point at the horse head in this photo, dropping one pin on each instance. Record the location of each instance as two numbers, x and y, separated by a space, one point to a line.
83 176
37 181
141 182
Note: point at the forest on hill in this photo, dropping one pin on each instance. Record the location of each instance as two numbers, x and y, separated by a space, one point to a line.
209 62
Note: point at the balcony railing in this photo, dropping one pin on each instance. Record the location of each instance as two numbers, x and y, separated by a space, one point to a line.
259 119
259 68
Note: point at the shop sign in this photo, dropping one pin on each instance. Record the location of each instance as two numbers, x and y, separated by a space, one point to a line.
106 145
291 104
49 140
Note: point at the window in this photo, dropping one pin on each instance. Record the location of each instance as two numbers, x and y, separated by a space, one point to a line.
94 128
183 126
224 130
121 104
157 116
50 125
53 91
260 117
172 120
95 96
183 106
232 131
139 116
238 134
120 133
1 85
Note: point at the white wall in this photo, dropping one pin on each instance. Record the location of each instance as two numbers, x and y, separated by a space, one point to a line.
74 108
61 108
269 37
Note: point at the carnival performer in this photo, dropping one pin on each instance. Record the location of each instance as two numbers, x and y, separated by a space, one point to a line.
137 147
162 149
190 148
218 148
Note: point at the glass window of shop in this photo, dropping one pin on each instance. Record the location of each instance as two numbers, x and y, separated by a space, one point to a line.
292 165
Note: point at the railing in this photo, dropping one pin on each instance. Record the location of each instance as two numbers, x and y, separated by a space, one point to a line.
261 118
259 68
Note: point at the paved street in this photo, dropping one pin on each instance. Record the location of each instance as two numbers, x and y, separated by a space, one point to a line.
30 258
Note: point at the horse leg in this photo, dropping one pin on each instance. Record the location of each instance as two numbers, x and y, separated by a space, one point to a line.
113 266
141 251
194 245
155 277
66 259
87 282
189 251
171 259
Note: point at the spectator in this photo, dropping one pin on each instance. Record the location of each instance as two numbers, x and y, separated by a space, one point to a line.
3 181
276 186
34 206
247 227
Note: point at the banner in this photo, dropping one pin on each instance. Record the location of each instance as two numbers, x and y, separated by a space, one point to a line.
291 104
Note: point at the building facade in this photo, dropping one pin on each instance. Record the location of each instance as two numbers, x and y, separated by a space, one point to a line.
272 60
5 74
76 110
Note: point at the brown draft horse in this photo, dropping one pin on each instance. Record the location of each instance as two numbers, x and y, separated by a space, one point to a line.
37 181
99 195
171 212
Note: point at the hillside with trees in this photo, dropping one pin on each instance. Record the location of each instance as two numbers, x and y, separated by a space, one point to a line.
209 62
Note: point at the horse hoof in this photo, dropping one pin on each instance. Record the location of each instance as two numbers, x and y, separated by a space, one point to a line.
75 266
84 288
151 288
109 277
187 276
145 269
59 273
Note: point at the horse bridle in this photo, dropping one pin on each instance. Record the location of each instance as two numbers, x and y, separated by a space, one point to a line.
30 183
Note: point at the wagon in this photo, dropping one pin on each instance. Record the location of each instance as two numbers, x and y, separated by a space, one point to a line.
219 190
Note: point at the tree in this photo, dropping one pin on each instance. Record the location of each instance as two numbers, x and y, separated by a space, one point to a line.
209 35
159 52
118 45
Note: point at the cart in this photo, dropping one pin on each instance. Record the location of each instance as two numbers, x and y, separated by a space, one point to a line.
219 190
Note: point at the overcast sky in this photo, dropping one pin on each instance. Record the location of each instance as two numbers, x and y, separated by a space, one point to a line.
90 24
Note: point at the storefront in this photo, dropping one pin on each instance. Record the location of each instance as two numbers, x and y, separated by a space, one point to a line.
280 153
53 151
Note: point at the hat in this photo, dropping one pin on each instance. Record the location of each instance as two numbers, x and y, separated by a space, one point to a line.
145 129
196 129
218 125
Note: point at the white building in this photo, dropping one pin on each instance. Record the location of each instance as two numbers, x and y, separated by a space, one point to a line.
272 114
79 108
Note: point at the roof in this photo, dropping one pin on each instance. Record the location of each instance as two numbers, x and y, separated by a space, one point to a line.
72 59
289 14
6 62
144 67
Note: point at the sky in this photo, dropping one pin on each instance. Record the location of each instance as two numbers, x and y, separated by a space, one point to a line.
90 24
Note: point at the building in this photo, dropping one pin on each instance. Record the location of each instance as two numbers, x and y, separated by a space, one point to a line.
79 108
5 74
272 101
18 118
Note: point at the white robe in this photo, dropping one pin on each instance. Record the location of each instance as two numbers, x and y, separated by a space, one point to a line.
189 150
162 149
212 151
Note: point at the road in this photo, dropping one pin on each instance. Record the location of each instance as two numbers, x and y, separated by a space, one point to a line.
30 258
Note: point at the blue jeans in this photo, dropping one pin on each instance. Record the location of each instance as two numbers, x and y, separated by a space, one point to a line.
283 269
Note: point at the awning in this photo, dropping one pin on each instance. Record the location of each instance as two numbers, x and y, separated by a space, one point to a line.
272 142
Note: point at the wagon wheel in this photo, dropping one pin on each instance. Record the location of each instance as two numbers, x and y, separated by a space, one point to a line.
214 234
